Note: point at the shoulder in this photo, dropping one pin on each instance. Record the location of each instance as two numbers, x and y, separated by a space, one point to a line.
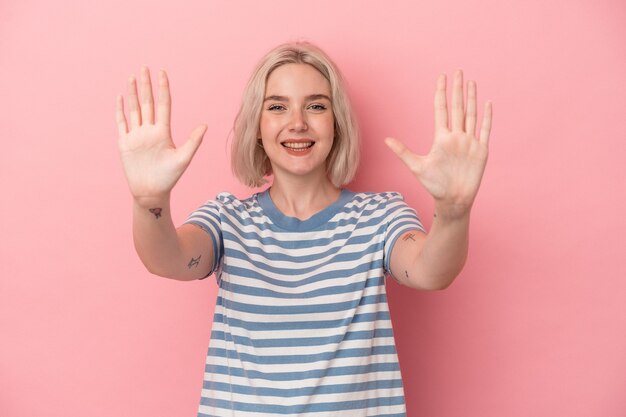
228 201
226 204
239 211
387 206
370 200
372 207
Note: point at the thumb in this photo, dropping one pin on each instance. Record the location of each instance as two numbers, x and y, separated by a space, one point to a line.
411 160
189 148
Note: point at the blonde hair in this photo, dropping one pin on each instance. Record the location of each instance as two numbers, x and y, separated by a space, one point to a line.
249 162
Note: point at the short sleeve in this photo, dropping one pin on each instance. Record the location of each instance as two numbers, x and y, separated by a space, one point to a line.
208 218
400 219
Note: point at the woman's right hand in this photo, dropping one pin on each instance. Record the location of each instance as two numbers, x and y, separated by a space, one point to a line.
151 161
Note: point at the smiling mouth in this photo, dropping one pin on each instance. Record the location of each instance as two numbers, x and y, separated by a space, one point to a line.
298 146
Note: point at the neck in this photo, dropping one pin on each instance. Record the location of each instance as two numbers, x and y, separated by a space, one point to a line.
302 198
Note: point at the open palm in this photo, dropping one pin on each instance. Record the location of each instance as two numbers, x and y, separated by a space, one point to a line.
151 161
453 169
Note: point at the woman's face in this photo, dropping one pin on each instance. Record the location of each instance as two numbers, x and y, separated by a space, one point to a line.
297 123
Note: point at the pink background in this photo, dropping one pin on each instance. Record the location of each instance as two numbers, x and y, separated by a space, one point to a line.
534 326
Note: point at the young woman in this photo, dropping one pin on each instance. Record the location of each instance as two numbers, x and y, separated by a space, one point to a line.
301 324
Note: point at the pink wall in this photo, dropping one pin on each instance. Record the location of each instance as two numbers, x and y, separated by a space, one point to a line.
535 326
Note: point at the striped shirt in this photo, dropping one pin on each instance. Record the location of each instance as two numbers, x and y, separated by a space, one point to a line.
301 324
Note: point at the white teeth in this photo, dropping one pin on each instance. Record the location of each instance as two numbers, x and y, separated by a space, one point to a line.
298 145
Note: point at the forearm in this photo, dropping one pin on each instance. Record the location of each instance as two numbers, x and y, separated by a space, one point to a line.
443 253
156 239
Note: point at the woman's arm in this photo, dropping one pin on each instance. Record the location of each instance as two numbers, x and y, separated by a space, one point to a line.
431 261
185 253
451 172
153 165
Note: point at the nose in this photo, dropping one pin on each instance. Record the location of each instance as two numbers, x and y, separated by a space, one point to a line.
298 121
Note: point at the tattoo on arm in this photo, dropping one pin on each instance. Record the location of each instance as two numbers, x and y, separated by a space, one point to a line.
194 262
156 211
201 227
409 236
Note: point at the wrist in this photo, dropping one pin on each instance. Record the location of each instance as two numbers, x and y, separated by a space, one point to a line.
445 211
152 202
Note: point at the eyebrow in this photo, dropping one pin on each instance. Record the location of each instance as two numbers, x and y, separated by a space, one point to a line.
308 98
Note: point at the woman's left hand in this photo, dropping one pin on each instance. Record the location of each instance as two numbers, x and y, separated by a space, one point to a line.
454 167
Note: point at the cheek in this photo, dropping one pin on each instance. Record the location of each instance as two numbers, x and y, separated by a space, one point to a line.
330 127
324 125
267 126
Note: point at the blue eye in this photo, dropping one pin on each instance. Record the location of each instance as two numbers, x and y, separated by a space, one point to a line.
317 107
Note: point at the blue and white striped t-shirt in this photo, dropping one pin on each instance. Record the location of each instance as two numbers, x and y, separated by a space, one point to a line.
301 324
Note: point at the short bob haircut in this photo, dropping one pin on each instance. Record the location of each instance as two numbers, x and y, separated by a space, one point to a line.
249 161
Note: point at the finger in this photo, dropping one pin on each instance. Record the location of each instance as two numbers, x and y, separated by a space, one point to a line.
485 126
165 100
458 115
133 103
441 106
189 148
470 115
120 117
409 159
147 101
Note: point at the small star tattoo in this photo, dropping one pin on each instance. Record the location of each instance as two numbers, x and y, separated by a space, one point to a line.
156 211
194 262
